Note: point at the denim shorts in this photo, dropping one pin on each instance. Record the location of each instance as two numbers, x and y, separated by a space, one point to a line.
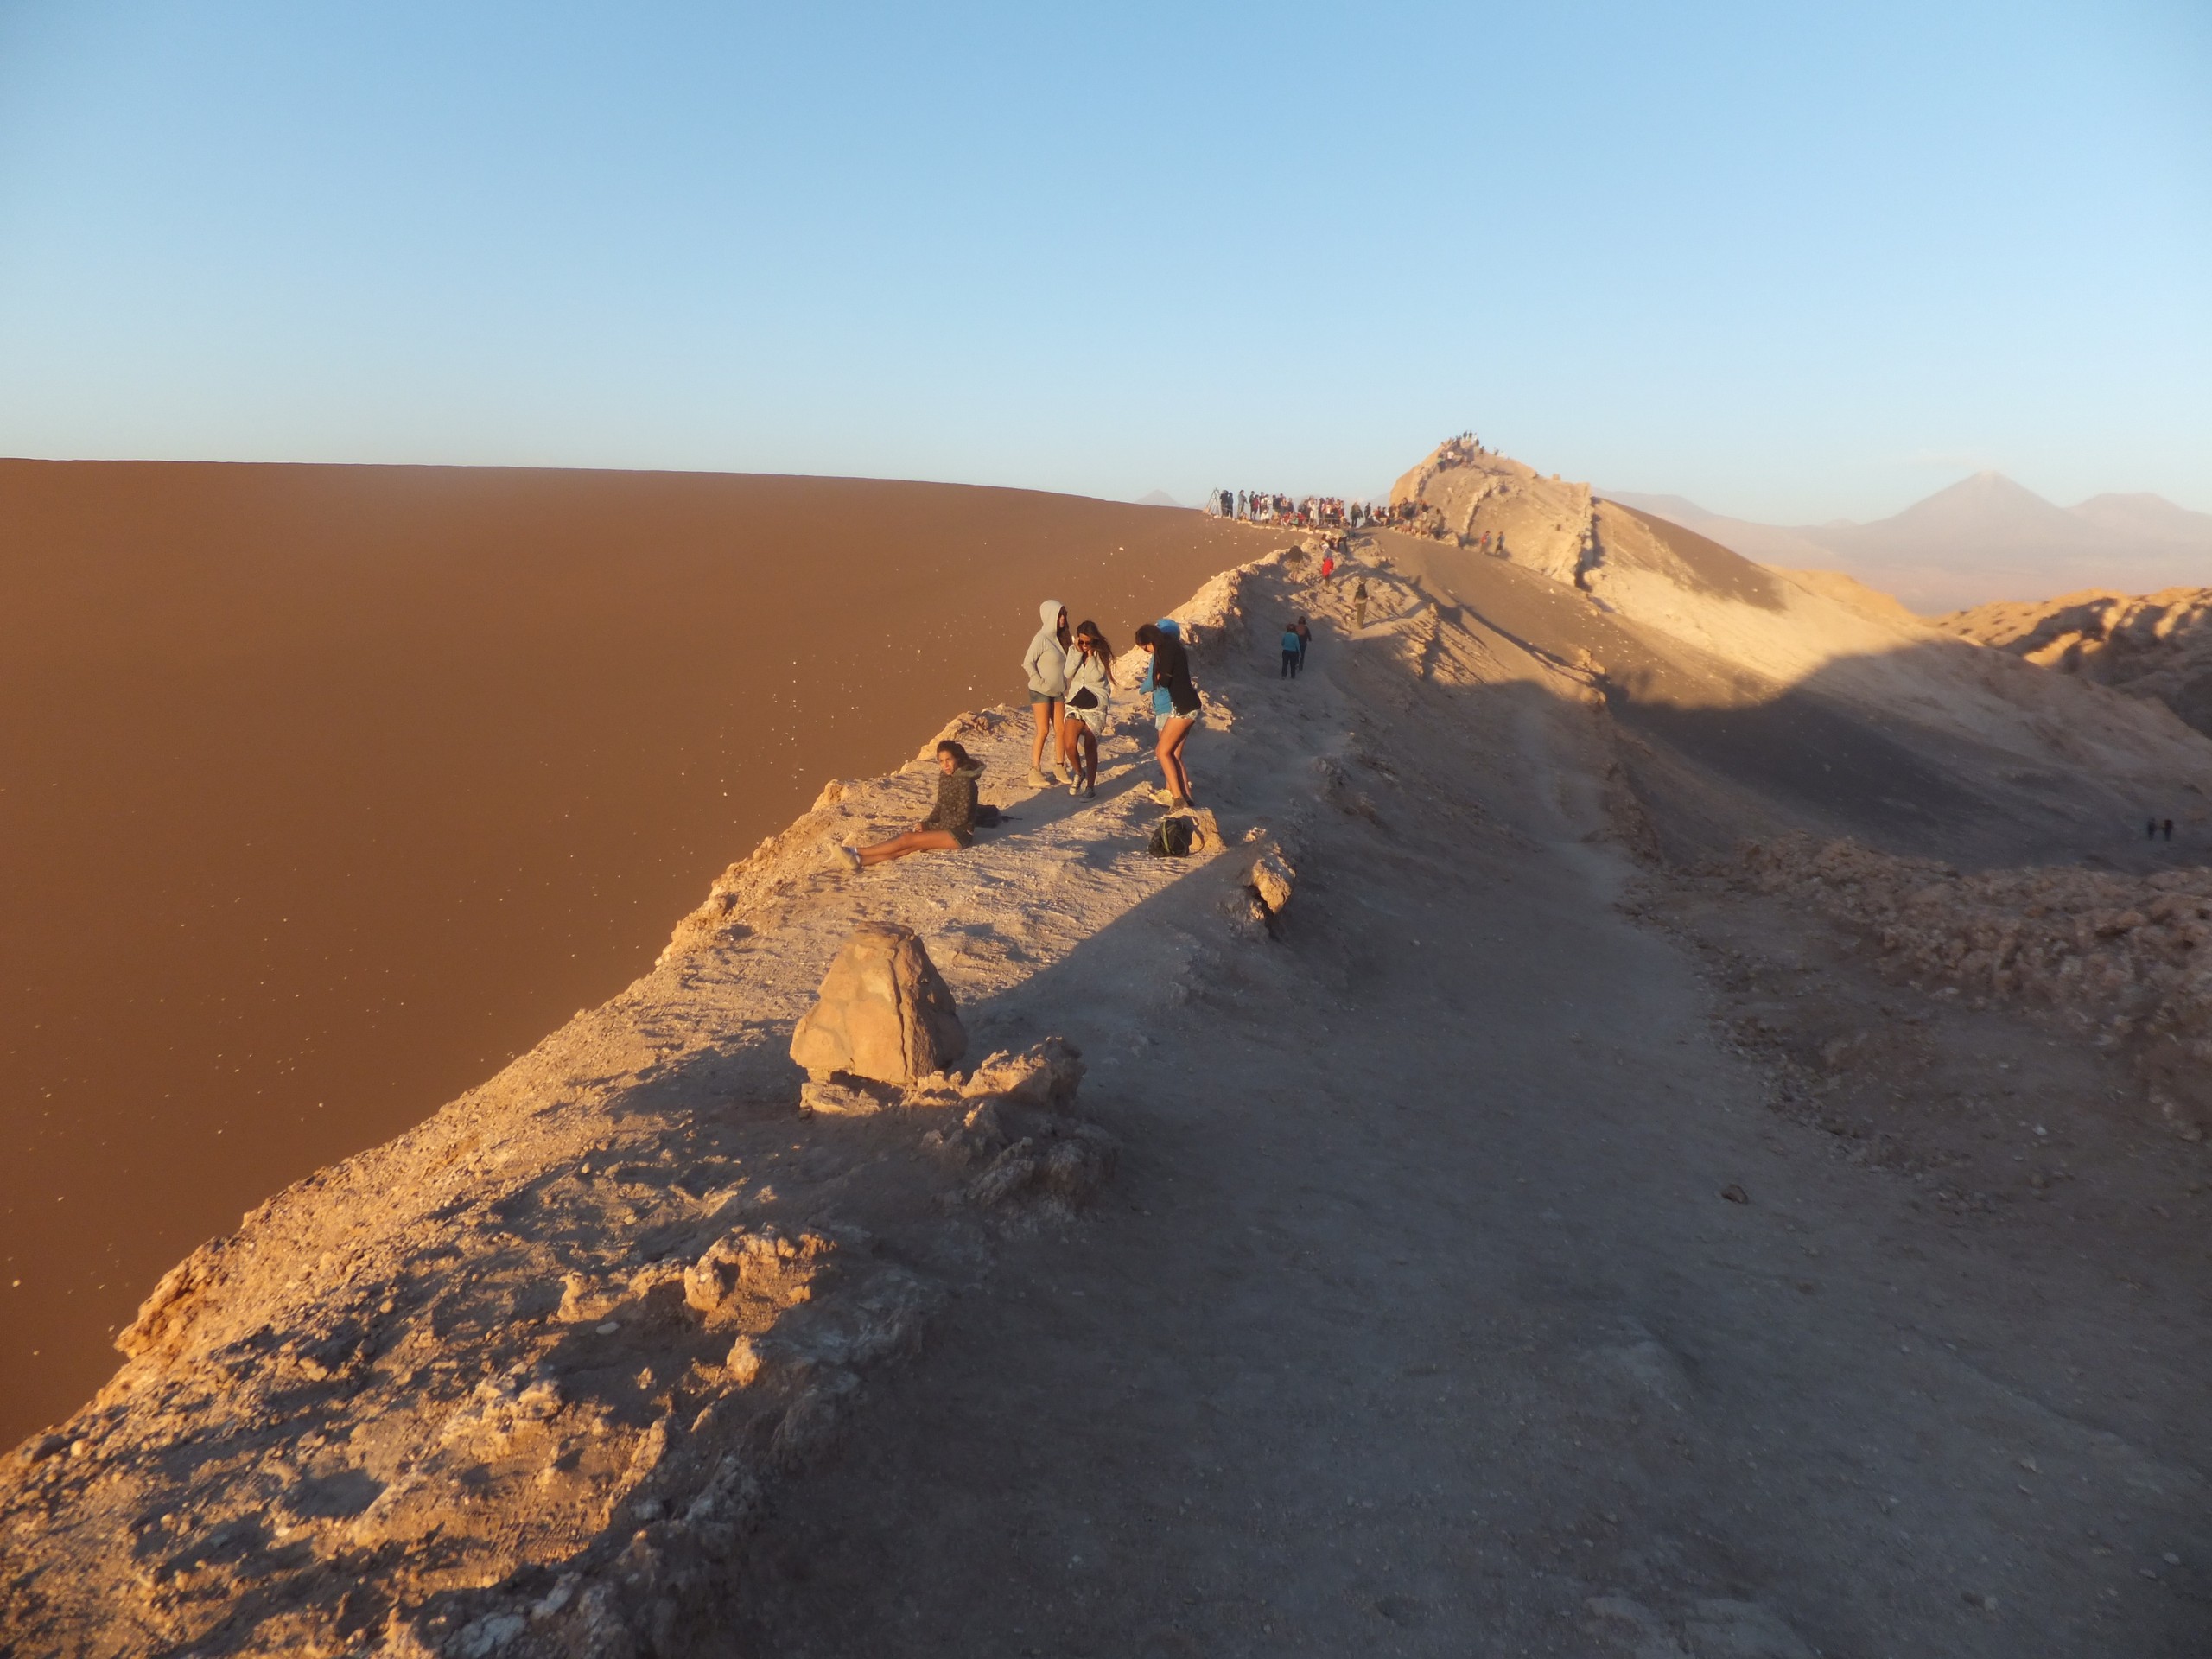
1194 717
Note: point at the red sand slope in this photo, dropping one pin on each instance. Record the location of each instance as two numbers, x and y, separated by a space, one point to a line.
324 789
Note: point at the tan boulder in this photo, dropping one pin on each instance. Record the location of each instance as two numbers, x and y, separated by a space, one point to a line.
1271 880
884 1012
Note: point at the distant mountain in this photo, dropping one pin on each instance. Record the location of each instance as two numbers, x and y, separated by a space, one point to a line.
1157 499
1983 538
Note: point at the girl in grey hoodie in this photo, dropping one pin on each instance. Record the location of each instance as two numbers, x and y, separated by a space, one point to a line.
1083 720
1046 663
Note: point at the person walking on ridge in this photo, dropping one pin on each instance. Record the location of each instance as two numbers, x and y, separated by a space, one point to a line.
1083 722
1170 677
1289 652
951 821
1359 604
1305 632
1046 663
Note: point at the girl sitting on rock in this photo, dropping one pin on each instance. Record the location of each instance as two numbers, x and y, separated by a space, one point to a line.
951 821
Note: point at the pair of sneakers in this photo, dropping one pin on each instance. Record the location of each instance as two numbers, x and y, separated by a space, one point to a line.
1059 775
1087 792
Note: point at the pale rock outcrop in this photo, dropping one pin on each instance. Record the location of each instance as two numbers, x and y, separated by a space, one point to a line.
884 1012
761 1266
2125 957
2157 645
1271 880
1047 1074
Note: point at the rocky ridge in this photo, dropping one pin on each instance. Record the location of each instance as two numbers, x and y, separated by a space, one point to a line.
2154 645
2124 960
518 1379
526 1378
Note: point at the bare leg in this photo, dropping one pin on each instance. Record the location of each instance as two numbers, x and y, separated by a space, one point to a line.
1048 730
1087 745
913 840
1170 751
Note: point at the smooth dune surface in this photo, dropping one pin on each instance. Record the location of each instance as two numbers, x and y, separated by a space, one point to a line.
324 790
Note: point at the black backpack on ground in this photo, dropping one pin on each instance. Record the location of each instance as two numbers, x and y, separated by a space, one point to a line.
1172 838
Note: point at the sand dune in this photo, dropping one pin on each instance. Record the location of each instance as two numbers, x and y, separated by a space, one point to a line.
327 789
1535 1217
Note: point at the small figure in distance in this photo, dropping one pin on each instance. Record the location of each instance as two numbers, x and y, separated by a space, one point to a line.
1289 651
1305 633
951 821
1046 663
1328 563
2150 829
2169 827
1359 604
1090 688
1170 675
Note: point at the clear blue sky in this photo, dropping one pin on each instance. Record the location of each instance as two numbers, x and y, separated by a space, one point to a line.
1797 262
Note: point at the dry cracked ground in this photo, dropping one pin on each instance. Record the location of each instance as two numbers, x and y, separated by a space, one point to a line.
1548 1234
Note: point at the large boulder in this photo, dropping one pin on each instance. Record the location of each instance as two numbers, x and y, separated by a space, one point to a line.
884 1012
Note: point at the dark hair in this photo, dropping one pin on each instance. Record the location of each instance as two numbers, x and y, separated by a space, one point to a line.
1060 628
946 745
1148 635
1090 627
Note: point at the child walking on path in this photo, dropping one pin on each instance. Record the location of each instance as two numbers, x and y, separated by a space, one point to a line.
1170 675
951 821
1290 652
1046 663
1304 639
1082 722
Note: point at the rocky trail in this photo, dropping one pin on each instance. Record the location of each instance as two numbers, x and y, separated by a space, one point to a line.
1537 1233
1460 1293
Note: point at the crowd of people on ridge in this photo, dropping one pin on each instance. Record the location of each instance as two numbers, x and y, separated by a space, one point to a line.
1454 452
1293 513
1332 512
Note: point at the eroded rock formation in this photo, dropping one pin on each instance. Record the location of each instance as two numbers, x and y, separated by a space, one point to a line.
2157 645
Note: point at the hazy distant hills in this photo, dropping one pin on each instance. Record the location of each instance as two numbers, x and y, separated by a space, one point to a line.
1984 538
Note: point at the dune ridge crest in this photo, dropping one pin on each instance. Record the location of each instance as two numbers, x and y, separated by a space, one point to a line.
1470 969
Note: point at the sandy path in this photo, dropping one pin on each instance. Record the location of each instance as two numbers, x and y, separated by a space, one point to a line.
1417 1323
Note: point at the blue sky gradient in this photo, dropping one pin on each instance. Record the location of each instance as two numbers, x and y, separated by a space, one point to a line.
1797 263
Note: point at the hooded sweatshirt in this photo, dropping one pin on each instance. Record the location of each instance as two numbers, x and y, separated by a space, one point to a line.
956 804
1091 674
1046 661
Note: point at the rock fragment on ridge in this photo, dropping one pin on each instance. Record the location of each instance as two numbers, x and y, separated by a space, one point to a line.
884 1012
